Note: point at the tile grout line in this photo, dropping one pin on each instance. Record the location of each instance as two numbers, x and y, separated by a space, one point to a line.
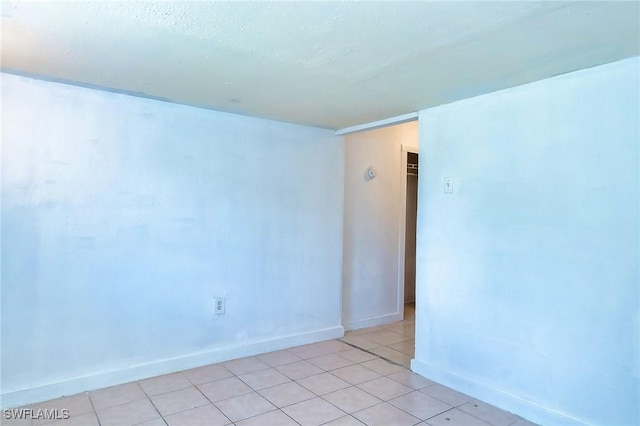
151 401
400 365
374 354
352 385
93 407
321 397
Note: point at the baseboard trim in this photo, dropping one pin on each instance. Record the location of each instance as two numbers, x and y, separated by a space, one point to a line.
76 385
503 400
373 321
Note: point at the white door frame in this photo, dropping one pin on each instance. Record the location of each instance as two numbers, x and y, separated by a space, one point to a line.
404 149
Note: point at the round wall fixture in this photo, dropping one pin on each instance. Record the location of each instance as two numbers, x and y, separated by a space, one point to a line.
371 173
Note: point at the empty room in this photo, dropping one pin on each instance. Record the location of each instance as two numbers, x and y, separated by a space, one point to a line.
320 213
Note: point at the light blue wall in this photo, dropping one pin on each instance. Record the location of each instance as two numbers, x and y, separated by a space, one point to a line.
123 217
528 277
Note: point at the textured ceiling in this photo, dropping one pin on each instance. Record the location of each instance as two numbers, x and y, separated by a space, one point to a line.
327 64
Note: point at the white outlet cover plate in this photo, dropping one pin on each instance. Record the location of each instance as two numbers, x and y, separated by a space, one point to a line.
219 305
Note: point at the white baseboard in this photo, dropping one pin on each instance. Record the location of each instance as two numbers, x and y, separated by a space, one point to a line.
44 392
373 321
503 400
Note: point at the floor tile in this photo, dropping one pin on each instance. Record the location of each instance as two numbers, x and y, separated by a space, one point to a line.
309 351
244 406
382 366
15 421
385 388
360 342
455 417
411 379
345 421
385 415
351 399
286 394
393 355
264 378
245 365
298 370
488 413
446 394
116 395
128 414
87 419
408 330
207 415
206 374
278 358
323 383
156 422
313 412
272 418
224 389
355 374
181 400
368 330
163 384
384 337
357 355
334 346
330 361
407 347
420 405
76 405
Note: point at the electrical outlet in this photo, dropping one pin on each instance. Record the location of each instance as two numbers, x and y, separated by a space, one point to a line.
219 305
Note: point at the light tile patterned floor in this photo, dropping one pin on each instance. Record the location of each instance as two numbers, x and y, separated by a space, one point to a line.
394 342
348 383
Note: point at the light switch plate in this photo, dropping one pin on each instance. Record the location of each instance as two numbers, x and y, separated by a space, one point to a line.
448 185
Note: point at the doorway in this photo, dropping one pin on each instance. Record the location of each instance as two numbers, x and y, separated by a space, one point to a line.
408 227
373 238
375 217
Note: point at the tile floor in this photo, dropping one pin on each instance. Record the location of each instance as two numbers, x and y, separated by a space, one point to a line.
359 379
394 342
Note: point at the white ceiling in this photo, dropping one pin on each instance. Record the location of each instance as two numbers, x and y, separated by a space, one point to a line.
326 64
